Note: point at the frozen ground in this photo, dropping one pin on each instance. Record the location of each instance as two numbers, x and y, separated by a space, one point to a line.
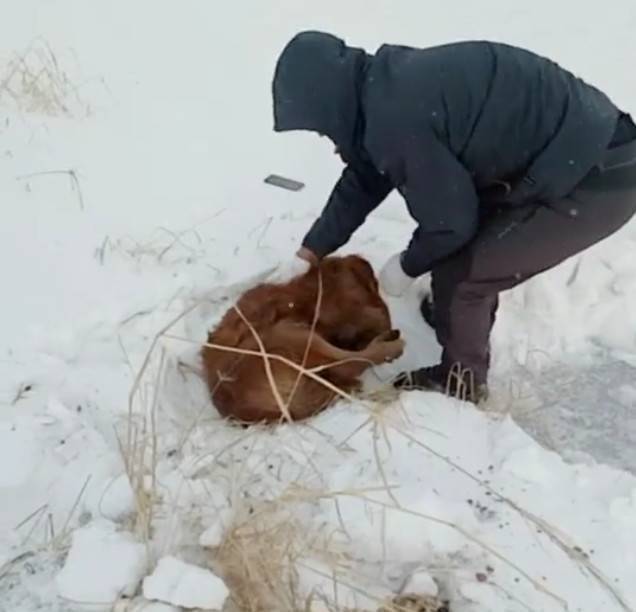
134 138
585 412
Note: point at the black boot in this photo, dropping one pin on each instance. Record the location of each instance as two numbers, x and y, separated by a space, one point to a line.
454 381
427 309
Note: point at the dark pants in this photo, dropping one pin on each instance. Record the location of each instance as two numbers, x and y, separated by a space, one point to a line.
514 244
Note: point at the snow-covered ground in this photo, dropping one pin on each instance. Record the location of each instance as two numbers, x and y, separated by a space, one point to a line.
134 139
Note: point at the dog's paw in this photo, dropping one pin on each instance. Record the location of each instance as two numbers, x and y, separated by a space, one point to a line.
394 349
386 347
385 352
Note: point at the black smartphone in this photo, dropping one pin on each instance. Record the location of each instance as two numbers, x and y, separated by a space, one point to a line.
285 183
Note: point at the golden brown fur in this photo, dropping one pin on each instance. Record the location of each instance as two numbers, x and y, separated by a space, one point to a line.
353 326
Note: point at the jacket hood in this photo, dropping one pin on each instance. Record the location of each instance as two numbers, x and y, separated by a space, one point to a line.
316 88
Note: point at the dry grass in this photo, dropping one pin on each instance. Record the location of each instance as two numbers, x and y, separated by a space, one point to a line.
260 560
72 174
34 81
263 551
139 444
163 247
257 560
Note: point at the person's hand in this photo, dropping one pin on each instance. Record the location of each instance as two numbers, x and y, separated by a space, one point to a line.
289 269
393 280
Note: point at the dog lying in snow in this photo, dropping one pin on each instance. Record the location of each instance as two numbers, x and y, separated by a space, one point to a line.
352 332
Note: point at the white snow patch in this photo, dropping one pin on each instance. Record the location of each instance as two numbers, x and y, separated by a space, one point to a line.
18 454
421 582
113 500
102 564
213 535
185 585
482 594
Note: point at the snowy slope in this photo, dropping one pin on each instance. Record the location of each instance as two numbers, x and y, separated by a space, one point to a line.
167 132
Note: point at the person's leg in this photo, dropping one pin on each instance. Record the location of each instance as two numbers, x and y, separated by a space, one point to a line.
511 247
466 286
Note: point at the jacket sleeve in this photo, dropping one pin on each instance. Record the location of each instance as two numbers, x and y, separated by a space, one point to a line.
441 197
360 189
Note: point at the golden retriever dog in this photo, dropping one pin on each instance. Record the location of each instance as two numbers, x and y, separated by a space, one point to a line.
349 332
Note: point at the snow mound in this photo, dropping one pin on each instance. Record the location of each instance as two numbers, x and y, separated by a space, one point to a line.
102 565
422 582
185 585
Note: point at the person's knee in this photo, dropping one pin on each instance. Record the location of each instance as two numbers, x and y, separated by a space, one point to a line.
449 273
470 290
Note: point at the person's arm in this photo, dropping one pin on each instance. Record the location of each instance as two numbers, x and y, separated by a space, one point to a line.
360 189
441 197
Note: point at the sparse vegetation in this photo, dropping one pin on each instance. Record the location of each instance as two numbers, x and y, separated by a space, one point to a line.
34 81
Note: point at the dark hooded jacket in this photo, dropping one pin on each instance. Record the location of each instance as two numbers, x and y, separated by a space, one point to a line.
450 127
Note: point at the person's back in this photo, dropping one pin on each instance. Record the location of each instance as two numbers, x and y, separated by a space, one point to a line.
504 112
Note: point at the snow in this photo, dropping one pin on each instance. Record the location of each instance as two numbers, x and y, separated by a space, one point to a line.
169 136
115 500
213 536
421 582
139 604
181 584
101 565
18 455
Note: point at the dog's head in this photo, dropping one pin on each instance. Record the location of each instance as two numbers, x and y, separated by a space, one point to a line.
357 312
363 271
